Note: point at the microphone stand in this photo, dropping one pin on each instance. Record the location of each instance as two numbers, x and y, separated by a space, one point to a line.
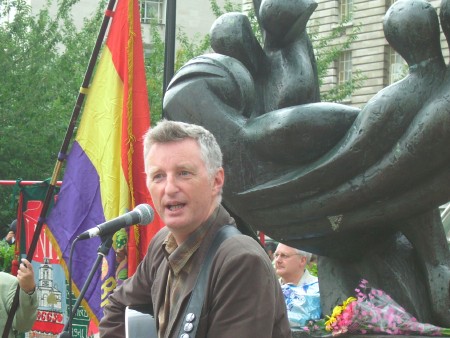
102 252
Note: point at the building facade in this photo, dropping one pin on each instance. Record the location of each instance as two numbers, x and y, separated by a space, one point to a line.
370 53
193 17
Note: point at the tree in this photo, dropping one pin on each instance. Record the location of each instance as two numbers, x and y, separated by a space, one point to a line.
43 60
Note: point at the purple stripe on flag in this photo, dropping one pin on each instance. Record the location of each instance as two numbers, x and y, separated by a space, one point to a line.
68 219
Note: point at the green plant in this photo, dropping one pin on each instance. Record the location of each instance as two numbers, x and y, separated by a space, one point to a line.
43 60
328 47
312 268
6 256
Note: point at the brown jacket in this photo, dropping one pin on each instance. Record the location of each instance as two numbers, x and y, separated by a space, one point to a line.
243 297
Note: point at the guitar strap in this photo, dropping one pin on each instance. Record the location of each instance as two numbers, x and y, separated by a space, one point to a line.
192 313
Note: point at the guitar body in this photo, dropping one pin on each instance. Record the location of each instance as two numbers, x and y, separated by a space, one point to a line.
139 322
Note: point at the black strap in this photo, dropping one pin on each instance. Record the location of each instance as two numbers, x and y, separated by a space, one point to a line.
192 313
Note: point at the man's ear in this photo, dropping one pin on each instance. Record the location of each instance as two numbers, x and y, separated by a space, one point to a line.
219 180
303 260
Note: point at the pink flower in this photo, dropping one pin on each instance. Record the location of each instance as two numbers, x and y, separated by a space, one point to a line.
374 311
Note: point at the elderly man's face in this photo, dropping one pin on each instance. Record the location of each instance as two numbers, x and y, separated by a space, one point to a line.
288 263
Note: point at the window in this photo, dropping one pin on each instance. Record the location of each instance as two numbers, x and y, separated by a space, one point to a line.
397 66
344 72
152 10
344 67
345 10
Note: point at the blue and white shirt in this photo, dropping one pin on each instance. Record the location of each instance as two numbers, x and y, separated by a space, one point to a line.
302 300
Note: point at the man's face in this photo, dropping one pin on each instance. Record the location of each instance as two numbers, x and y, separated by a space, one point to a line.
288 263
183 194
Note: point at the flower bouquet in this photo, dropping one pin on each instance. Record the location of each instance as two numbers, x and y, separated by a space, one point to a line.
371 312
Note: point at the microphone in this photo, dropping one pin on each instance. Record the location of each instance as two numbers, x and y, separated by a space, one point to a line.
142 214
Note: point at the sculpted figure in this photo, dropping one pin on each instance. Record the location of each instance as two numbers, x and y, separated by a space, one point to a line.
359 187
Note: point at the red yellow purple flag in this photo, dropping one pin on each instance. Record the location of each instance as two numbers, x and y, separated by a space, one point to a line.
104 175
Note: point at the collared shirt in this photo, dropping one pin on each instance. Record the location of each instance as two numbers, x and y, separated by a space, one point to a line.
180 266
302 300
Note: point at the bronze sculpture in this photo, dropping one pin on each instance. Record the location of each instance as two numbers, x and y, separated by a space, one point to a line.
359 187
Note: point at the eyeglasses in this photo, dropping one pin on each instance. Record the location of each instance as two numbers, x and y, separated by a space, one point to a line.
284 256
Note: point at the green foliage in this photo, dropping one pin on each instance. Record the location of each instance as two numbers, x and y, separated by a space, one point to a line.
344 90
189 49
43 60
327 49
312 268
154 68
228 7
255 26
6 256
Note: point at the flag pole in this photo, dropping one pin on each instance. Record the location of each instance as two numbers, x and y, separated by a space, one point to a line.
169 53
63 152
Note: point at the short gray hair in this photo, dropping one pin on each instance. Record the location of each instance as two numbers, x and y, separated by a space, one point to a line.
308 255
167 131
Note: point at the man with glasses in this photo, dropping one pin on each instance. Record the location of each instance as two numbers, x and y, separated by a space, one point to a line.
300 288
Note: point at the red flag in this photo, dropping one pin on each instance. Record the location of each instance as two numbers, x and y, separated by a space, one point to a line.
136 118
105 177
